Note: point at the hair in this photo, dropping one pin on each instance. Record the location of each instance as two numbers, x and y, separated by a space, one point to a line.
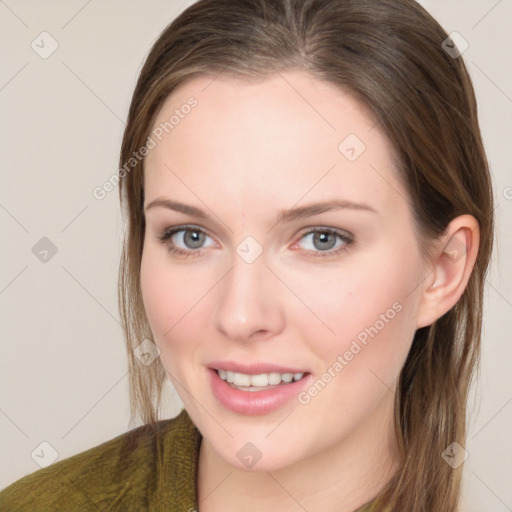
388 55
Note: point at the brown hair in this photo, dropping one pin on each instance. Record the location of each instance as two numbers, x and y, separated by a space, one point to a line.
389 55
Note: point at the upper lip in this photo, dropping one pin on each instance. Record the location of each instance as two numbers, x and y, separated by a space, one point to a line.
253 368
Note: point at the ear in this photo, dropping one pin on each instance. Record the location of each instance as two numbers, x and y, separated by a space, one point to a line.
452 265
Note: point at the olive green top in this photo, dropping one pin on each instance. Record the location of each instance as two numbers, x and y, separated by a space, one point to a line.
145 469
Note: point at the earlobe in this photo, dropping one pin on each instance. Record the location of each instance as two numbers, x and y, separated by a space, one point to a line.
452 267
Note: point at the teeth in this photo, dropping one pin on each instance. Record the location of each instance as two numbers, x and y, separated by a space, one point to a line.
274 378
259 380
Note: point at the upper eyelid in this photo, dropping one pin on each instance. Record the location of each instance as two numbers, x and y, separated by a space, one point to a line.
190 227
320 228
305 230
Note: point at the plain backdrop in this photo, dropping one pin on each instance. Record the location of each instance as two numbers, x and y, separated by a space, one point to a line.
63 367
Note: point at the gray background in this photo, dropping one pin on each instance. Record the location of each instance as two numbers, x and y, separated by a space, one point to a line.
63 368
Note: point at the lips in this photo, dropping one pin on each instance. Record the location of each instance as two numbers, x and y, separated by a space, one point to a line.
249 400
254 368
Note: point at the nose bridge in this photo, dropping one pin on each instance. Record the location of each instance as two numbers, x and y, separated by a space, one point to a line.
248 301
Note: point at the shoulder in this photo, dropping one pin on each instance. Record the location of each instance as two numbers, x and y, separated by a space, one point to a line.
120 471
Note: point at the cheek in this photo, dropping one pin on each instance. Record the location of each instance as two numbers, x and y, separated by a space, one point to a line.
160 299
174 301
364 313
165 297
357 365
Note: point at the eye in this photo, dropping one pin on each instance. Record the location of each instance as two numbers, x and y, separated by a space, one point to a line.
323 242
185 240
188 241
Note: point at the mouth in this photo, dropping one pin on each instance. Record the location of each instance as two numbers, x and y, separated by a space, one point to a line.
255 389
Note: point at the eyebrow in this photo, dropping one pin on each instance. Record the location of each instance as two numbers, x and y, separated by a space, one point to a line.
284 216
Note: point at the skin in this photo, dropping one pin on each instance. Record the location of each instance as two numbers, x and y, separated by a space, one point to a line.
247 152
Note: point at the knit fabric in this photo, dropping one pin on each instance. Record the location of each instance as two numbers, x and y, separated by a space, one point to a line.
145 469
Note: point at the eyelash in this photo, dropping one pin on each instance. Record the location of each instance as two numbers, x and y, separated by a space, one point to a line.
169 232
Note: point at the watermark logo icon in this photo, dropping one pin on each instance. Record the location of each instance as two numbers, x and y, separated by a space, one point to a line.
249 249
146 352
249 455
44 45
455 45
455 249
455 455
351 147
44 454
44 250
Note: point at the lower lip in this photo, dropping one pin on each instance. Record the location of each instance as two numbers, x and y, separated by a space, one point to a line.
252 403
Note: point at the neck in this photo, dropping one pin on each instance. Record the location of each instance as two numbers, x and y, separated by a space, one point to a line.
340 479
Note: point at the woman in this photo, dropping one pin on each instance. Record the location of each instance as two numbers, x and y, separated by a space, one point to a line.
309 225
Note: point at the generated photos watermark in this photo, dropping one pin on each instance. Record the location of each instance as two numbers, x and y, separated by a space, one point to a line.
342 360
156 136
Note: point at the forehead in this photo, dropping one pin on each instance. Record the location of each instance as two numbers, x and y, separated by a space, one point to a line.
288 136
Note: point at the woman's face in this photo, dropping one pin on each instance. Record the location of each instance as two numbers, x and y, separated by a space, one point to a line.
293 252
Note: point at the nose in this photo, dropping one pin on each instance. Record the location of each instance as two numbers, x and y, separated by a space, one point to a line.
249 302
